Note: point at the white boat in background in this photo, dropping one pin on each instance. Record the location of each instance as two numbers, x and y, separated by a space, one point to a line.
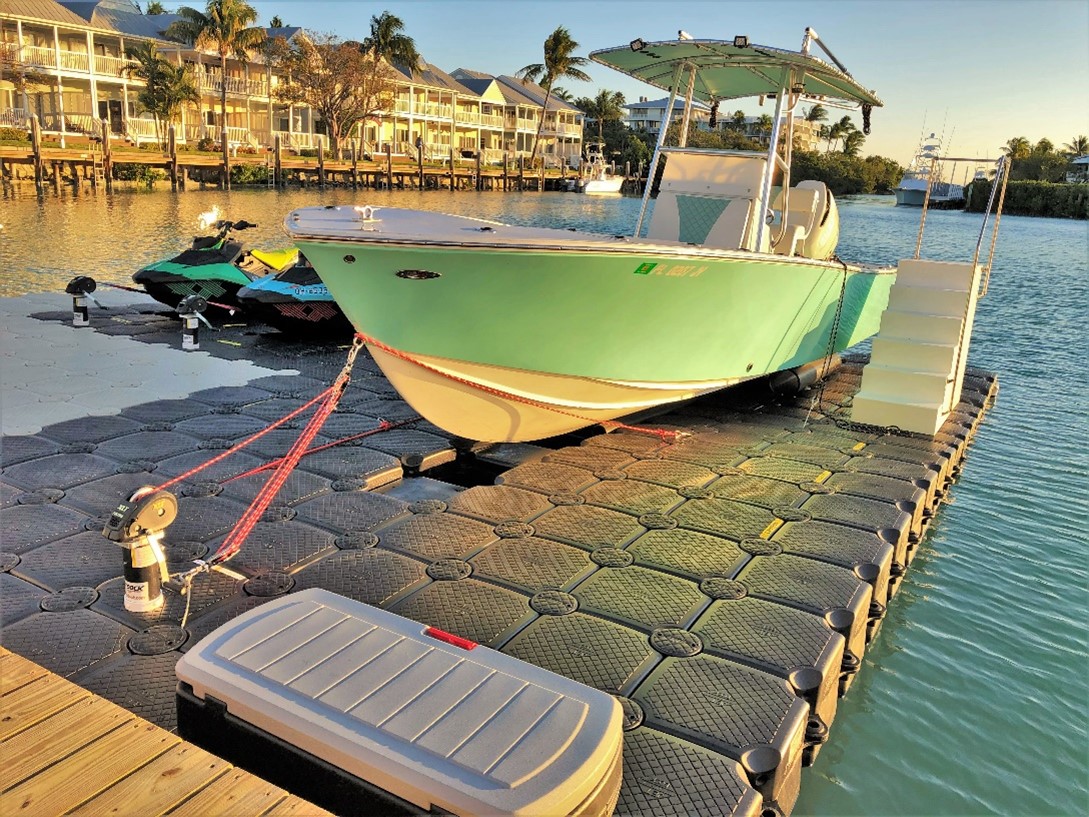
594 175
911 192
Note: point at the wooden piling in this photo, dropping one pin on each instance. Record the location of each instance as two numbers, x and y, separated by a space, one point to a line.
278 167
36 147
506 171
225 168
389 165
521 173
355 164
172 148
321 161
479 177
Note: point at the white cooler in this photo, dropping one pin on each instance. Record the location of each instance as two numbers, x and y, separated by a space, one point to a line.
360 710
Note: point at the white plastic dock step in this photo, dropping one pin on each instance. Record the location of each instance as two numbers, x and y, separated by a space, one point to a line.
431 719
917 364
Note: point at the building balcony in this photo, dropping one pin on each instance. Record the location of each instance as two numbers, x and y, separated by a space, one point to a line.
110 66
235 85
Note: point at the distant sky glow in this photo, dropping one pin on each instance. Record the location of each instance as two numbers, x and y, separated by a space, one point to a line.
982 71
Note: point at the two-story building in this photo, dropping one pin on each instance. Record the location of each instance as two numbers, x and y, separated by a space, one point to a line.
65 62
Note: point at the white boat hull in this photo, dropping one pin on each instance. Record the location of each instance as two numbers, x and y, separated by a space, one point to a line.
608 185
498 404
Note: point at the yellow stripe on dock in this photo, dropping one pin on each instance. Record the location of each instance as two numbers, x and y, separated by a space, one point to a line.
66 750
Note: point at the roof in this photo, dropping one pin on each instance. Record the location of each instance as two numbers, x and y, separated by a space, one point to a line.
1081 160
728 71
432 77
47 10
519 92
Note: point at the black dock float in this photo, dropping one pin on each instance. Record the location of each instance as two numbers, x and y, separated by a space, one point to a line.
724 587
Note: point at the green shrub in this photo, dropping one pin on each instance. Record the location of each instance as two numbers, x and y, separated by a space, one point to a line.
14 135
133 172
207 144
1033 198
249 174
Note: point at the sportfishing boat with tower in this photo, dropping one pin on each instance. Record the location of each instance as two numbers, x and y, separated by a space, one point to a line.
504 333
911 192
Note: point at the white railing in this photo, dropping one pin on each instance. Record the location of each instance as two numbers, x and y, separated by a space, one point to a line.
75 61
140 130
295 141
468 117
14 118
110 65
235 85
491 120
83 123
39 57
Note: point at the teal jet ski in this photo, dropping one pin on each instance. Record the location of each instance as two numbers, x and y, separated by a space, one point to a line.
215 267
296 302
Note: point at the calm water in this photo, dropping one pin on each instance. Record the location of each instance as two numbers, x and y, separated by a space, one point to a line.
975 697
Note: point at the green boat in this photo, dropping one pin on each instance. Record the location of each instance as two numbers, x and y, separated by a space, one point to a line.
502 333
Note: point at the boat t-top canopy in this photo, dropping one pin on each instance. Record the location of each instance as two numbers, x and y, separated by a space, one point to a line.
729 69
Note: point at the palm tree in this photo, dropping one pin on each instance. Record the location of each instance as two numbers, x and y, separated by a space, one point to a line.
852 142
564 94
1078 146
840 130
1044 147
605 107
559 62
155 7
276 22
818 113
1018 148
226 27
387 41
166 86
764 124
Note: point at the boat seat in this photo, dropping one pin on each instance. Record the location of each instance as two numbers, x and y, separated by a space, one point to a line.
802 213
709 221
708 198
277 259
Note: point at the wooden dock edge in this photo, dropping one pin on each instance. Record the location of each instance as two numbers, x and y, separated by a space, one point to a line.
65 750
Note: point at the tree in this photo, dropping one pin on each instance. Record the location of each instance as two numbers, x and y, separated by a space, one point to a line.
387 42
737 122
764 124
155 7
818 113
1018 148
276 22
559 63
852 142
342 83
167 87
607 106
564 94
840 130
1044 147
226 27
1078 146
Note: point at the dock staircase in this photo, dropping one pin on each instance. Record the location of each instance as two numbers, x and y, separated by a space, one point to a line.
916 368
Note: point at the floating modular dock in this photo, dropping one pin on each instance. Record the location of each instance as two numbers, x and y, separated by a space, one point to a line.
723 587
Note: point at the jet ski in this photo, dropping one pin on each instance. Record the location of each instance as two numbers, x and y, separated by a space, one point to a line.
295 301
215 267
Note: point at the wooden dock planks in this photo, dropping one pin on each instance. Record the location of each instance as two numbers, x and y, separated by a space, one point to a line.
65 750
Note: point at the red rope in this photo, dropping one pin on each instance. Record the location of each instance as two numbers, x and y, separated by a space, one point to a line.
383 425
252 438
252 515
664 435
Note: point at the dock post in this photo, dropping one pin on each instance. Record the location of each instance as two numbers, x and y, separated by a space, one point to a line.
277 170
479 178
453 170
36 147
521 173
506 171
321 161
172 148
107 156
225 168
389 165
355 164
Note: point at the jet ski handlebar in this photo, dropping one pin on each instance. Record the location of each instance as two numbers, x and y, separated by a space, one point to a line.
225 227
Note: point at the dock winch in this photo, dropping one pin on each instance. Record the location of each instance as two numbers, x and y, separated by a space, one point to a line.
138 526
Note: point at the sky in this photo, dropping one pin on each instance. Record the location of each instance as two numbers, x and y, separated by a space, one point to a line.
978 71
